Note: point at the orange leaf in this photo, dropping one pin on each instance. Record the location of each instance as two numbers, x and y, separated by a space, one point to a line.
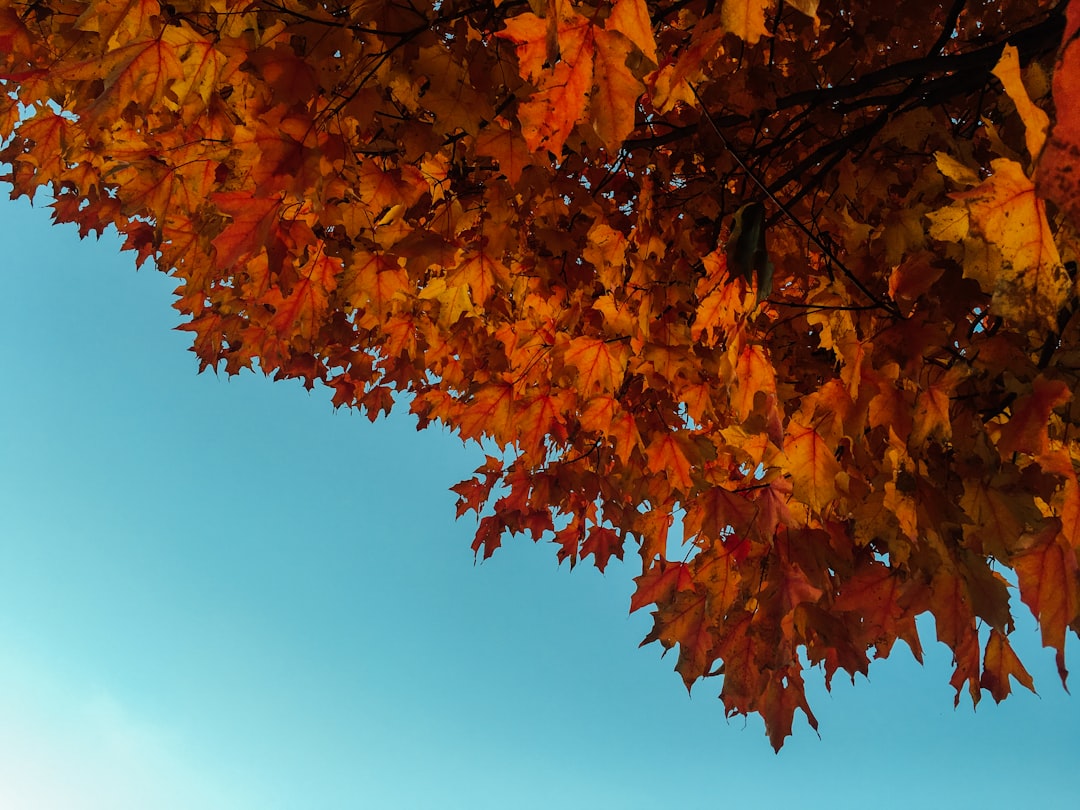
544 416
631 19
670 85
600 364
1066 501
660 583
490 412
498 141
746 656
48 134
1026 430
1030 285
875 597
604 415
813 467
252 217
488 535
1035 120
1056 176
483 274
549 116
1050 586
602 543
999 663
684 621
717 512
373 285
746 18
955 619
784 694
667 458
613 103
753 373
606 251
716 315
143 68
302 312
931 417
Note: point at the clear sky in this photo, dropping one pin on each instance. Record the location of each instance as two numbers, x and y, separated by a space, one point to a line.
221 593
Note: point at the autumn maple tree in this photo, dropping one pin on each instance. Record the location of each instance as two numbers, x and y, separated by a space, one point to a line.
795 281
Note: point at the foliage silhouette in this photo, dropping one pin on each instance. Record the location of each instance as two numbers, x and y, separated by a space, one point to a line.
797 275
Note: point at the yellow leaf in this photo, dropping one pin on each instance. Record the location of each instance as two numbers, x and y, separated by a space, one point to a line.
1036 121
745 18
613 103
631 19
955 170
1028 282
453 300
813 467
753 373
949 224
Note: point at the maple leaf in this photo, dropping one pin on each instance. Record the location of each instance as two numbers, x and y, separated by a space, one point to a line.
602 543
499 142
544 416
718 512
814 469
617 90
754 374
251 221
1029 283
604 415
668 457
745 18
550 115
1050 585
879 601
631 19
1035 120
1056 173
999 664
659 583
300 314
374 285
600 364
490 412
1026 431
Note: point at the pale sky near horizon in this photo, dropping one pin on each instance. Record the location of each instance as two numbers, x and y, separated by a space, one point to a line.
221 593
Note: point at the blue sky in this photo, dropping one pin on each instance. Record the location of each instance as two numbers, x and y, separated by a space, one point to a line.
221 593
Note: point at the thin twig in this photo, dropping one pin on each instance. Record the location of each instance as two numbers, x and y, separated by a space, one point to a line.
813 237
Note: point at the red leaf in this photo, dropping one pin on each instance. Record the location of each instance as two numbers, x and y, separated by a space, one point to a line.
1050 586
660 583
999 663
602 543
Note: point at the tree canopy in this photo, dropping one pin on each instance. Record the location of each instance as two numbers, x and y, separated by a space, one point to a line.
793 276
